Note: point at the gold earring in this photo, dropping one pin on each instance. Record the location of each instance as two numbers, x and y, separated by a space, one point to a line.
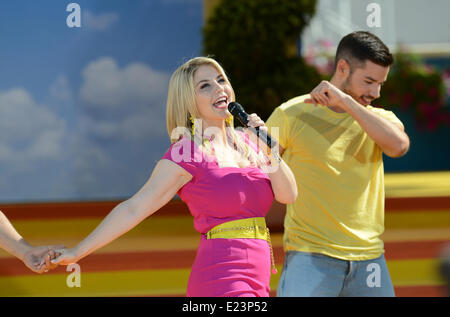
193 125
229 120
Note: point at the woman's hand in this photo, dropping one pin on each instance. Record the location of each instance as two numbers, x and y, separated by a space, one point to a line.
282 179
66 257
254 121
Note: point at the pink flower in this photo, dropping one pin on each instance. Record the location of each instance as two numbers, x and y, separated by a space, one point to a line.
446 75
446 79
429 69
309 60
326 43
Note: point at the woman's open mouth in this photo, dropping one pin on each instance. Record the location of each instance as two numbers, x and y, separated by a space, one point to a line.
221 103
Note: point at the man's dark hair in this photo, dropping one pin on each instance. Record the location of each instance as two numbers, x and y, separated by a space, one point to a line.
358 47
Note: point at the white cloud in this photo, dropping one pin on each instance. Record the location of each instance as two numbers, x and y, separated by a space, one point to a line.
131 100
121 127
107 86
48 145
99 145
34 155
28 131
98 22
139 126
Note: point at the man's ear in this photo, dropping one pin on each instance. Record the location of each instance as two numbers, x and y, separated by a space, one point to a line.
343 69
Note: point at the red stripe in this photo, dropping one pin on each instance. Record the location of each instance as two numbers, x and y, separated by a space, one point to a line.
420 291
99 209
399 204
413 249
69 210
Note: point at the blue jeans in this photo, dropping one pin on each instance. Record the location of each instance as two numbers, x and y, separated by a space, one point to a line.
311 274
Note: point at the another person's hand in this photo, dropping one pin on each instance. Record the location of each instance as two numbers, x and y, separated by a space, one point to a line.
38 259
66 257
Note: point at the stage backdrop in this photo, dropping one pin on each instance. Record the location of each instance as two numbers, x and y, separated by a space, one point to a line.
83 90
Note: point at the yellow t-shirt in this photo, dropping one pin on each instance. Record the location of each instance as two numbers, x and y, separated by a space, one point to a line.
339 171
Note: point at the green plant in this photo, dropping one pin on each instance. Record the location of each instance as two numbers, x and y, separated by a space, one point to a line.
419 88
256 43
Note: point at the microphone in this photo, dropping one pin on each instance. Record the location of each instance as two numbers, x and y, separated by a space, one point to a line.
238 112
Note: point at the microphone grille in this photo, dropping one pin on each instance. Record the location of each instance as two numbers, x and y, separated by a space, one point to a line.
235 108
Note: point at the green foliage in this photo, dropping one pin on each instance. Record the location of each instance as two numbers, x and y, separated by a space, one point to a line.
256 43
419 88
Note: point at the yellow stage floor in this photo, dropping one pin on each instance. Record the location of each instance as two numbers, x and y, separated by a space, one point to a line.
426 184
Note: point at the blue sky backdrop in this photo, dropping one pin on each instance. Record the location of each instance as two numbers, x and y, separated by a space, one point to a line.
82 110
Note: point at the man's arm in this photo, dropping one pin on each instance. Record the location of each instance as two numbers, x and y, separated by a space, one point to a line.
390 137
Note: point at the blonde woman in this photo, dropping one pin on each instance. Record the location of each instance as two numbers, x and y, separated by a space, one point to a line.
217 171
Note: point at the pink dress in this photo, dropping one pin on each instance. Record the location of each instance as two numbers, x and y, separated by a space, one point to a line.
224 267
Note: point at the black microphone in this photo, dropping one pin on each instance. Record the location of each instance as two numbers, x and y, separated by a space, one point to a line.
238 112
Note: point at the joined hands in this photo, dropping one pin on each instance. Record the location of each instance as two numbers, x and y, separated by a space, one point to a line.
38 259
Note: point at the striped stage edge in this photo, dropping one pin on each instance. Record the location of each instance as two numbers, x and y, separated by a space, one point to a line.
154 259
165 273
149 262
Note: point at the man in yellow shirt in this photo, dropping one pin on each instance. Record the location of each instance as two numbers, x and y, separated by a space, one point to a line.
333 140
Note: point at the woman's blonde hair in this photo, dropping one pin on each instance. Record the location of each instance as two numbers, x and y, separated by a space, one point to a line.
181 105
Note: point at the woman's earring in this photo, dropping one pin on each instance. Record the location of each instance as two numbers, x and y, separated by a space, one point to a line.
229 120
193 125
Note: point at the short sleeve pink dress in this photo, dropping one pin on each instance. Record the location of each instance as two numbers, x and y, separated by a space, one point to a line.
224 267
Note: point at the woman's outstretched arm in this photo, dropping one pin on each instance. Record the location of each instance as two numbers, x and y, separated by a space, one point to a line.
167 178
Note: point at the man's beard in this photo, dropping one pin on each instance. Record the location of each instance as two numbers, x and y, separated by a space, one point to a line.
363 99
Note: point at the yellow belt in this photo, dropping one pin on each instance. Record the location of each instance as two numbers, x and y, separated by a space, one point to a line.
249 228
